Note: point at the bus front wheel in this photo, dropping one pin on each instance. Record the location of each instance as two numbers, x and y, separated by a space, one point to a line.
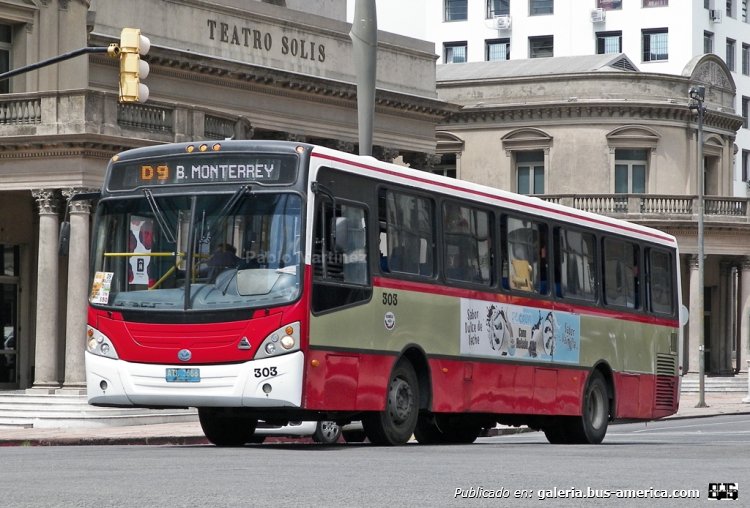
226 429
396 424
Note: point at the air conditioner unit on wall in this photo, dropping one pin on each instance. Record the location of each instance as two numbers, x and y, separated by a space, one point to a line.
598 15
714 15
502 22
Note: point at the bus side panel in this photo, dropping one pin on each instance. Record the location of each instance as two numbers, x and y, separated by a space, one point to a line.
645 396
627 388
336 381
504 388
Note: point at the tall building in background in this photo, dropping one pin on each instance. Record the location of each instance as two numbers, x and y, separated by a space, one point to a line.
658 36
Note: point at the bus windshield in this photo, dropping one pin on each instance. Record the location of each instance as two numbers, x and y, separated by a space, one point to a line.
197 252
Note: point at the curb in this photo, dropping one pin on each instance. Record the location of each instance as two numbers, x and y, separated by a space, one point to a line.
92 441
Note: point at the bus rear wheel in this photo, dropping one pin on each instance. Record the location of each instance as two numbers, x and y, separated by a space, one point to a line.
591 426
396 424
226 429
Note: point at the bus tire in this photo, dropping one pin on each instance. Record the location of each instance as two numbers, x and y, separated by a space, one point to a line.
396 424
326 432
555 432
461 431
426 431
223 429
591 426
354 435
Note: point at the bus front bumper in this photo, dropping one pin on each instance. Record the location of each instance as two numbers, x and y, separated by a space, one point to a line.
268 382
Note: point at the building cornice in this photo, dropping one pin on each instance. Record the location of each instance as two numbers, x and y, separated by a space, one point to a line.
585 111
219 72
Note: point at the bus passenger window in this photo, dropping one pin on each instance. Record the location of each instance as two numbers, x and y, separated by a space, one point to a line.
409 234
467 243
621 273
659 281
575 257
526 255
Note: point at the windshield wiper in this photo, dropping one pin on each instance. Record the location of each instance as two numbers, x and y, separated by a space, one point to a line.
159 215
225 211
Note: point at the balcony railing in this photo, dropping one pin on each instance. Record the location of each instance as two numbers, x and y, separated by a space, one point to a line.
656 206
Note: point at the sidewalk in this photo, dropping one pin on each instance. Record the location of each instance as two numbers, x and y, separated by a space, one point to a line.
190 433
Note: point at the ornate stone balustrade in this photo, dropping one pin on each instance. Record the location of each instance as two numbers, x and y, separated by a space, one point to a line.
656 206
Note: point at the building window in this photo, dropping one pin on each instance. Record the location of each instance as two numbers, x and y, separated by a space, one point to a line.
608 42
5 46
497 49
541 47
454 52
456 10
744 11
530 172
655 3
609 5
540 7
730 9
745 165
708 42
446 166
655 47
498 8
731 47
746 59
630 171
745 108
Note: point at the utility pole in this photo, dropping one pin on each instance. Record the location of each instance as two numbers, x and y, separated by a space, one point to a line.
364 35
697 96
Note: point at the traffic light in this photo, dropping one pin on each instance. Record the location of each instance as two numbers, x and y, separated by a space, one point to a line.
132 68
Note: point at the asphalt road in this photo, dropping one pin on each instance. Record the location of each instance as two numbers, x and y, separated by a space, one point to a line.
671 457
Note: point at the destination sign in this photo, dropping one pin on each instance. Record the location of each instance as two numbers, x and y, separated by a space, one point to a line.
200 169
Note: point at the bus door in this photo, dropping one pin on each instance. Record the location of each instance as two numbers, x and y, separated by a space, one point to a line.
340 321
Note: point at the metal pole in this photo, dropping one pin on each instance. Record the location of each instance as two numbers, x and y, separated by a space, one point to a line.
701 303
54 60
364 35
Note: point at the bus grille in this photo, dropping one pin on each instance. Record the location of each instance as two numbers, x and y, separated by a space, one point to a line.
666 381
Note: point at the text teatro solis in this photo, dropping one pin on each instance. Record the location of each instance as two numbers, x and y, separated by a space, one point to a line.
263 41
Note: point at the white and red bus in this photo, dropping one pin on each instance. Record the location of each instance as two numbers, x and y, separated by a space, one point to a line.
283 281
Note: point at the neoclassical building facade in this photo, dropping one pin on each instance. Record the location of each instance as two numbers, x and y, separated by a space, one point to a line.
219 69
594 133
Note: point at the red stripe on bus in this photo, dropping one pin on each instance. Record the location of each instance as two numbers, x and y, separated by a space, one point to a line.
421 287
495 197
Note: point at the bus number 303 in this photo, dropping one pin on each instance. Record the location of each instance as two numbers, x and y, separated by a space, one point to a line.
266 372
390 299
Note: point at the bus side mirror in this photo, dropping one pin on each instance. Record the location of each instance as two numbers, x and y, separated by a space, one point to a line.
341 232
63 242
684 315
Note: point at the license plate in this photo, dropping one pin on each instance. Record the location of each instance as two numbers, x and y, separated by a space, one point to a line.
183 375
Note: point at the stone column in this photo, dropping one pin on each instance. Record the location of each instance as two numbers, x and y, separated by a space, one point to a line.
46 342
78 265
695 324
743 340
721 346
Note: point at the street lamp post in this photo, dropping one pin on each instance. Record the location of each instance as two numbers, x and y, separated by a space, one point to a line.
697 96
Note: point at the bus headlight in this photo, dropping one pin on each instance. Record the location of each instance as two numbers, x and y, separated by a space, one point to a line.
281 341
99 344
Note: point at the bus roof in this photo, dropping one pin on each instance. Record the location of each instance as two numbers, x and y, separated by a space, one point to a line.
369 166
